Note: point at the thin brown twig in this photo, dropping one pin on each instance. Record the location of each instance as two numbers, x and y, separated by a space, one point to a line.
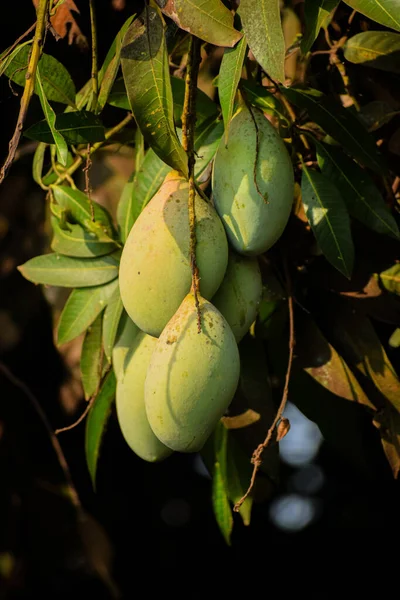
79 419
188 127
29 85
257 454
73 494
88 187
95 80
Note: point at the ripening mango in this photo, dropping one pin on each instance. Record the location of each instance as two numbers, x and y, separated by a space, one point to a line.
155 273
253 191
239 294
129 400
192 377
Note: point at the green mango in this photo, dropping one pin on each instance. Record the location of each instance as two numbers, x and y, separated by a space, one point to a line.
155 273
239 294
192 376
129 400
254 216
126 333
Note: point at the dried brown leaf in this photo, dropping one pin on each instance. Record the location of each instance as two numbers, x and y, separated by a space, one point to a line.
64 23
282 429
245 419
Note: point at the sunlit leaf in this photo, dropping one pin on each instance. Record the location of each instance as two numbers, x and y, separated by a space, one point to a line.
145 69
112 316
261 22
328 218
64 271
57 83
385 12
377 49
340 123
209 20
262 98
390 279
97 421
317 15
394 340
229 77
81 309
80 127
73 240
363 199
91 356
56 137
221 506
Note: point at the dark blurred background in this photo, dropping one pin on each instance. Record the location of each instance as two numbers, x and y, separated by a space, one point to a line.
148 528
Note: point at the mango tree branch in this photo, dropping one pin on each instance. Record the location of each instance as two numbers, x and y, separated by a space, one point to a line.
93 29
188 129
29 84
256 458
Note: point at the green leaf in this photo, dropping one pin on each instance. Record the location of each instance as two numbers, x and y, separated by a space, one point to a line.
362 197
139 149
57 138
385 12
80 208
125 217
145 69
97 421
110 67
6 59
221 506
378 49
376 114
394 340
261 22
127 331
63 271
228 81
75 241
57 83
205 107
81 309
259 96
207 141
80 127
209 20
328 218
239 471
91 356
37 165
118 96
390 279
339 123
112 316
317 15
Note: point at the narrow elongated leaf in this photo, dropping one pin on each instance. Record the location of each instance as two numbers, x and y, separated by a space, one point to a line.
57 83
80 208
139 149
206 145
91 355
260 96
317 14
229 77
209 20
73 240
390 279
144 61
37 165
261 22
238 472
124 209
57 138
362 197
112 316
205 107
109 69
340 123
385 12
378 49
63 271
328 218
80 127
6 59
97 421
81 309
221 506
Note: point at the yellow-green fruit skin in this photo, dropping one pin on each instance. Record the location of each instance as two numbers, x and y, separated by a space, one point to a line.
129 400
192 377
254 218
155 273
239 294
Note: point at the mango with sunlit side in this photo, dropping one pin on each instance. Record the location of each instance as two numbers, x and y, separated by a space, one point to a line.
155 272
253 183
239 294
192 376
129 400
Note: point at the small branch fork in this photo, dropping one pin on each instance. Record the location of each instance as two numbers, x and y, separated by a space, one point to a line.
29 84
257 454
188 128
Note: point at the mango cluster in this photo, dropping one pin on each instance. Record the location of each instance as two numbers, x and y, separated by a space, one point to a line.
174 383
